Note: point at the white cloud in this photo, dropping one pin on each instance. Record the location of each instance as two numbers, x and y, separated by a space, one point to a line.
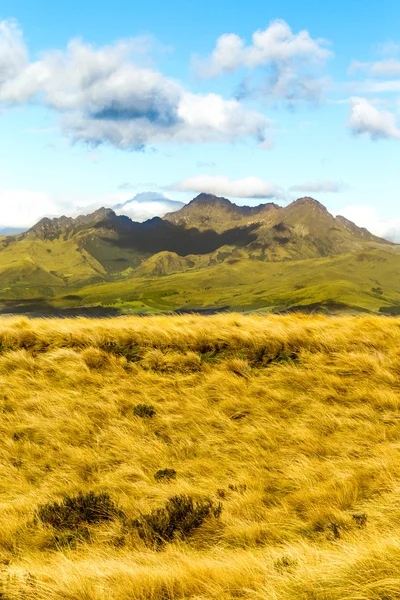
370 86
141 211
365 118
23 208
248 187
13 54
274 45
368 217
319 186
285 55
381 68
103 96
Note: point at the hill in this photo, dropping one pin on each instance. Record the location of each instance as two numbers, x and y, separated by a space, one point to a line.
209 255
286 426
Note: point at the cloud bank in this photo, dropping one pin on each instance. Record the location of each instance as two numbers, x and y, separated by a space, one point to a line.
286 59
365 118
147 205
248 187
367 216
103 96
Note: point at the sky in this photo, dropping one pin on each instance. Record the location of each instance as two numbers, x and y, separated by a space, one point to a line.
255 101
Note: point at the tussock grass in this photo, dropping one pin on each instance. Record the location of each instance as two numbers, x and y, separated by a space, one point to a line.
290 423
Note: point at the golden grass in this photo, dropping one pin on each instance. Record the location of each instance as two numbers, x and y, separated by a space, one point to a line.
292 422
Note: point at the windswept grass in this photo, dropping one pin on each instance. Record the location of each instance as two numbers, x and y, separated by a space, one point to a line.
283 434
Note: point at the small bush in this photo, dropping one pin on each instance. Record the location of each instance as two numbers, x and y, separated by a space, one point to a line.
71 538
238 487
180 517
165 475
144 410
360 519
335 529
72 511
238 416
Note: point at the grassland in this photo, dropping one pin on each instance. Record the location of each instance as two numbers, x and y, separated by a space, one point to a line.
365 280
46 275
292 423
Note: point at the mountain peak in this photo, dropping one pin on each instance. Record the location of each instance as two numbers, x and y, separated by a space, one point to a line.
308 201
48 228
209 200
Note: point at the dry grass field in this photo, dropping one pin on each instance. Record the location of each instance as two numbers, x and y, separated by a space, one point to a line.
280 434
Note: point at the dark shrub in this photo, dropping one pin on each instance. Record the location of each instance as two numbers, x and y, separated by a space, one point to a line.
144 410
178 519
72 511
165 475
335 529
238 487
360 519
71 538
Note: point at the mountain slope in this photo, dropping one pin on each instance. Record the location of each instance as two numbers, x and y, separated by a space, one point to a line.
209 254
303 229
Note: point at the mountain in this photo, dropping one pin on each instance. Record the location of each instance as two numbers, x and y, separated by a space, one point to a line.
146 205
303 229
210 254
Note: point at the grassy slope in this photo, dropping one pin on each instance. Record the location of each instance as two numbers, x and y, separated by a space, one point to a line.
305 444
33 267
253 284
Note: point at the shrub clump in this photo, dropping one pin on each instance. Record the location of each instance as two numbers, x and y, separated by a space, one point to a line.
165 475
144 410
63 538
179 518
72 511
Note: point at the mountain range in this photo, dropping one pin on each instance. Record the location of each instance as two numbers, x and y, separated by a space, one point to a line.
210 254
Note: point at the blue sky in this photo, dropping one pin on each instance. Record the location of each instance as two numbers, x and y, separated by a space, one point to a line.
255 101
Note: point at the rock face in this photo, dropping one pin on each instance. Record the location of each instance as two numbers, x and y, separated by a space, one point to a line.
212 212
48 229
302 229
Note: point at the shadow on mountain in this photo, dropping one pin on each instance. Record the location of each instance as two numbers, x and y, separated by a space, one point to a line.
157 235
393 311
41 308
325 308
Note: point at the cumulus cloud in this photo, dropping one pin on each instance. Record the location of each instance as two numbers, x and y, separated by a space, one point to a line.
319 186
367 216
248 187
13 54
103 96
367 119
285 56
23 208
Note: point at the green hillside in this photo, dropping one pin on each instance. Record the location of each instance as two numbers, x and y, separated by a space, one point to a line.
364 280
264 258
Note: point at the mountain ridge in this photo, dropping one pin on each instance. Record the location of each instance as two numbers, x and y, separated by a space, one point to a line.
209 244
